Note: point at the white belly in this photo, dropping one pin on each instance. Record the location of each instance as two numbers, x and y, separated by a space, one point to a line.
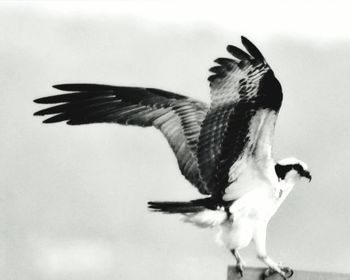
258 204
248 213
236 235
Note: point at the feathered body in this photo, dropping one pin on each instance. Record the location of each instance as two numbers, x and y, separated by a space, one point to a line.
224 150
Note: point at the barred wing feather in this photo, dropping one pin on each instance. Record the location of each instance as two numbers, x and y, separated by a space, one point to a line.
244 92
178 117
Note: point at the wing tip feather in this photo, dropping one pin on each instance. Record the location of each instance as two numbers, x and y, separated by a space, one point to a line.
252 49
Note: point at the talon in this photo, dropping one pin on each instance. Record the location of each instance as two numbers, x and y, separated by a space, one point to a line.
268 272
282 274
288 271
239 269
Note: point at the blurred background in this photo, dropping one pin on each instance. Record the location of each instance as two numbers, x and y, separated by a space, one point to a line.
73 200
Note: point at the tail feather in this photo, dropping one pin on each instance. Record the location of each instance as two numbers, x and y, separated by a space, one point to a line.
203 213
175 207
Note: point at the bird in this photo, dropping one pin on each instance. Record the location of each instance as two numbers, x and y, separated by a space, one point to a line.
224 148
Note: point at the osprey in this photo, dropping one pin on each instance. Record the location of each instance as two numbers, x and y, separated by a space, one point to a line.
224 149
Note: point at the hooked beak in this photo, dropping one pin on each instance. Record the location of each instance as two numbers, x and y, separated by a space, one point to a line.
307 175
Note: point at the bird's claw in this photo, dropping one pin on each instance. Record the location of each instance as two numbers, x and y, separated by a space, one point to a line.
239 268
268 272
285 272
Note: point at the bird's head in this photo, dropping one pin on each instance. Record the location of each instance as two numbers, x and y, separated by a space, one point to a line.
292 169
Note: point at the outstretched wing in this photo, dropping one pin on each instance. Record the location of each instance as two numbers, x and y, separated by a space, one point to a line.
178 117
246 98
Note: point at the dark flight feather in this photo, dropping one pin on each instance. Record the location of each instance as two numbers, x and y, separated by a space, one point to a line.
237 95
238 53
178 117
253 50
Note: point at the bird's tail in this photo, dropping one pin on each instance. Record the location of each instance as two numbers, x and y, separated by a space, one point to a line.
176 207
203 213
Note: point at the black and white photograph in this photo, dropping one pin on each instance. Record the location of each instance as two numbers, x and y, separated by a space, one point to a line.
166 140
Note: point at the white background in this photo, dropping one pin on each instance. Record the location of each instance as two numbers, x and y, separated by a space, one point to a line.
73 199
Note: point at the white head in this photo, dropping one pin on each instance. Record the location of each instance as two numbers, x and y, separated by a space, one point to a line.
292 169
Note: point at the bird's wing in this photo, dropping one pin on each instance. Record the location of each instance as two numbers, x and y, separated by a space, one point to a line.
246 98
178 117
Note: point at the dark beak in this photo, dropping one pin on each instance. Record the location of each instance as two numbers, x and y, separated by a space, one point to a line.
307 175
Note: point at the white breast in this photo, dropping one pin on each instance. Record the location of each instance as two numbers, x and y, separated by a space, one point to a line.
262 201
250 211
255 175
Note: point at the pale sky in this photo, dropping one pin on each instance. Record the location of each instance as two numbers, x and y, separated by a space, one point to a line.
73 200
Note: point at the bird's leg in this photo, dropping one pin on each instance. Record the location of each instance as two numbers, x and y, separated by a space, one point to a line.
273 267
240 263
